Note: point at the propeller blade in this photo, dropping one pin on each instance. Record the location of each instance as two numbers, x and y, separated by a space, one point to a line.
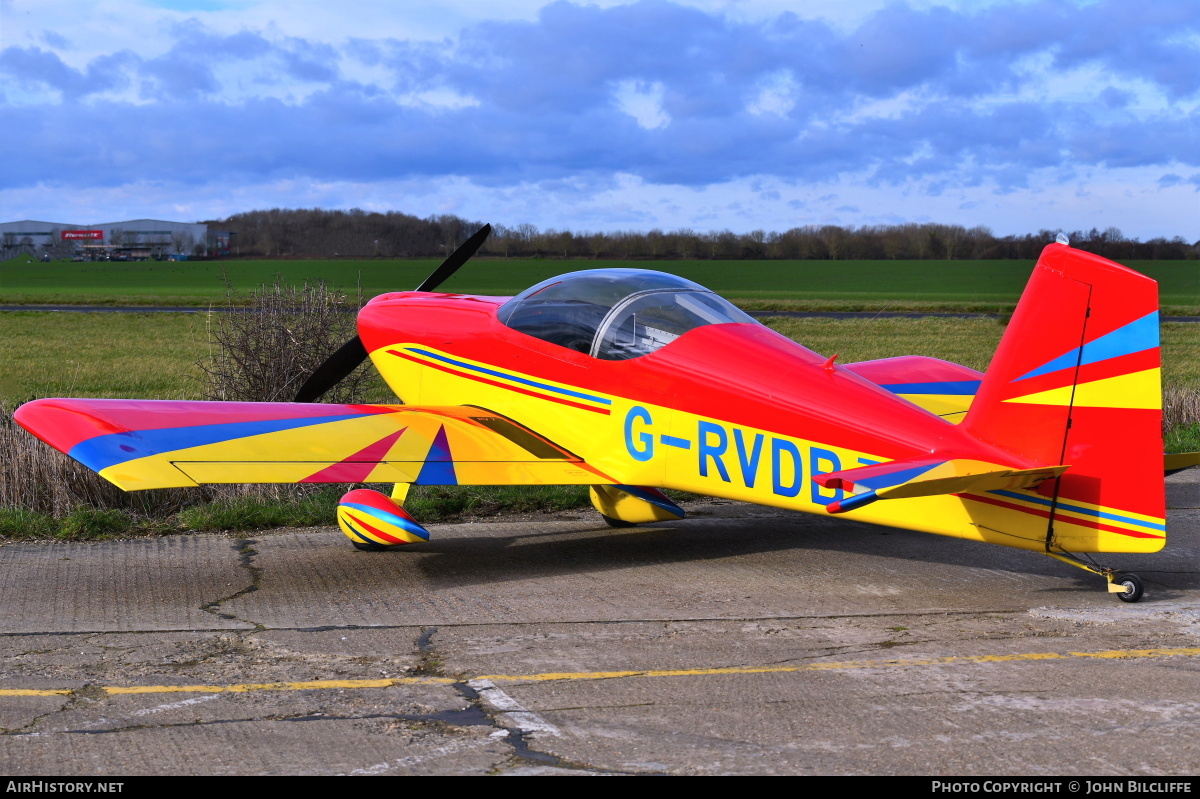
339 365
335 369
456 259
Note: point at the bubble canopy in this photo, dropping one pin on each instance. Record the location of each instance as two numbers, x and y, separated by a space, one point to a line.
616 314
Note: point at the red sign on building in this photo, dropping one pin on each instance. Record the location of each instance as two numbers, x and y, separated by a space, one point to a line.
82 234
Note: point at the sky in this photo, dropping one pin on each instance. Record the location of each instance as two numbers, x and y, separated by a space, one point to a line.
702 114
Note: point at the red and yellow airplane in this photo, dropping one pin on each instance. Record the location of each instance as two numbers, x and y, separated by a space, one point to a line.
632 381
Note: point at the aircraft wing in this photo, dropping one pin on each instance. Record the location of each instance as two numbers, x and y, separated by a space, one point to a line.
941 387
140 444
926 477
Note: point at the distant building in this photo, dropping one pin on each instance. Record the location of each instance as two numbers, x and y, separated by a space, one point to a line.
220 242
133 239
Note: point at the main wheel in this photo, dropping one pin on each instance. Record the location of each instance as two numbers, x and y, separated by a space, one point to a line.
365 547
1134 588
611 522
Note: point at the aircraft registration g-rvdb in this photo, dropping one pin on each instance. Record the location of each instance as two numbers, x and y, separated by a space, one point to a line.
633 381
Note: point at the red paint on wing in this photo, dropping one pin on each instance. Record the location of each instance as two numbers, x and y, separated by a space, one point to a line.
357 468
63 423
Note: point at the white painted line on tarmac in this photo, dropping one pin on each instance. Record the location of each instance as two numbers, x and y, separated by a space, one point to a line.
413 760
510 713
173 705
146 711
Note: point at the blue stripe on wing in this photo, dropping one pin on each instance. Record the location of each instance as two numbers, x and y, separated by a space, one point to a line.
108 450
958 387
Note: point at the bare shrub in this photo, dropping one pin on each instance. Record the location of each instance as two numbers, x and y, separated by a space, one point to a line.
264 345
37 477
1181 407
262 348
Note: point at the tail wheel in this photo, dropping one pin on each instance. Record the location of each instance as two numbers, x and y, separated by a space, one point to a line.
1134 588
611 522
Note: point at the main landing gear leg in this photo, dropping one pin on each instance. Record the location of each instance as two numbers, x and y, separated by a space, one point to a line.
1128 586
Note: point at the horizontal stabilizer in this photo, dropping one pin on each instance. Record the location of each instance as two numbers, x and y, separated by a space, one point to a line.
940 387
1178 461
904 479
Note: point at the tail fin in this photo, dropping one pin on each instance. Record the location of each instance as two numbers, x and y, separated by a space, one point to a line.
1076 381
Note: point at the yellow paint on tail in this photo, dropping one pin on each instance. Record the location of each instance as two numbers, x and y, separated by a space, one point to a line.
1136 390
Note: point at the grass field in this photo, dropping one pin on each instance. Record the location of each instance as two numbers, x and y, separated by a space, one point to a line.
155 356
150 355
832 285
100 355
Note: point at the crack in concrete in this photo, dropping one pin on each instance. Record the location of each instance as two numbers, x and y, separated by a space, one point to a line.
428 663
468 717
485 624
431 665
85 694
456 718
246 552
68 700
604 707
517 739
520 740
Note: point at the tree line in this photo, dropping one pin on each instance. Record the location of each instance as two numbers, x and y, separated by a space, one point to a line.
317 233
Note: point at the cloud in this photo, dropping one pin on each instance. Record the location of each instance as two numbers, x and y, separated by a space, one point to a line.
776 94
1154 42
171 78
1115 98
37 69
922 97
643 102
55 40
